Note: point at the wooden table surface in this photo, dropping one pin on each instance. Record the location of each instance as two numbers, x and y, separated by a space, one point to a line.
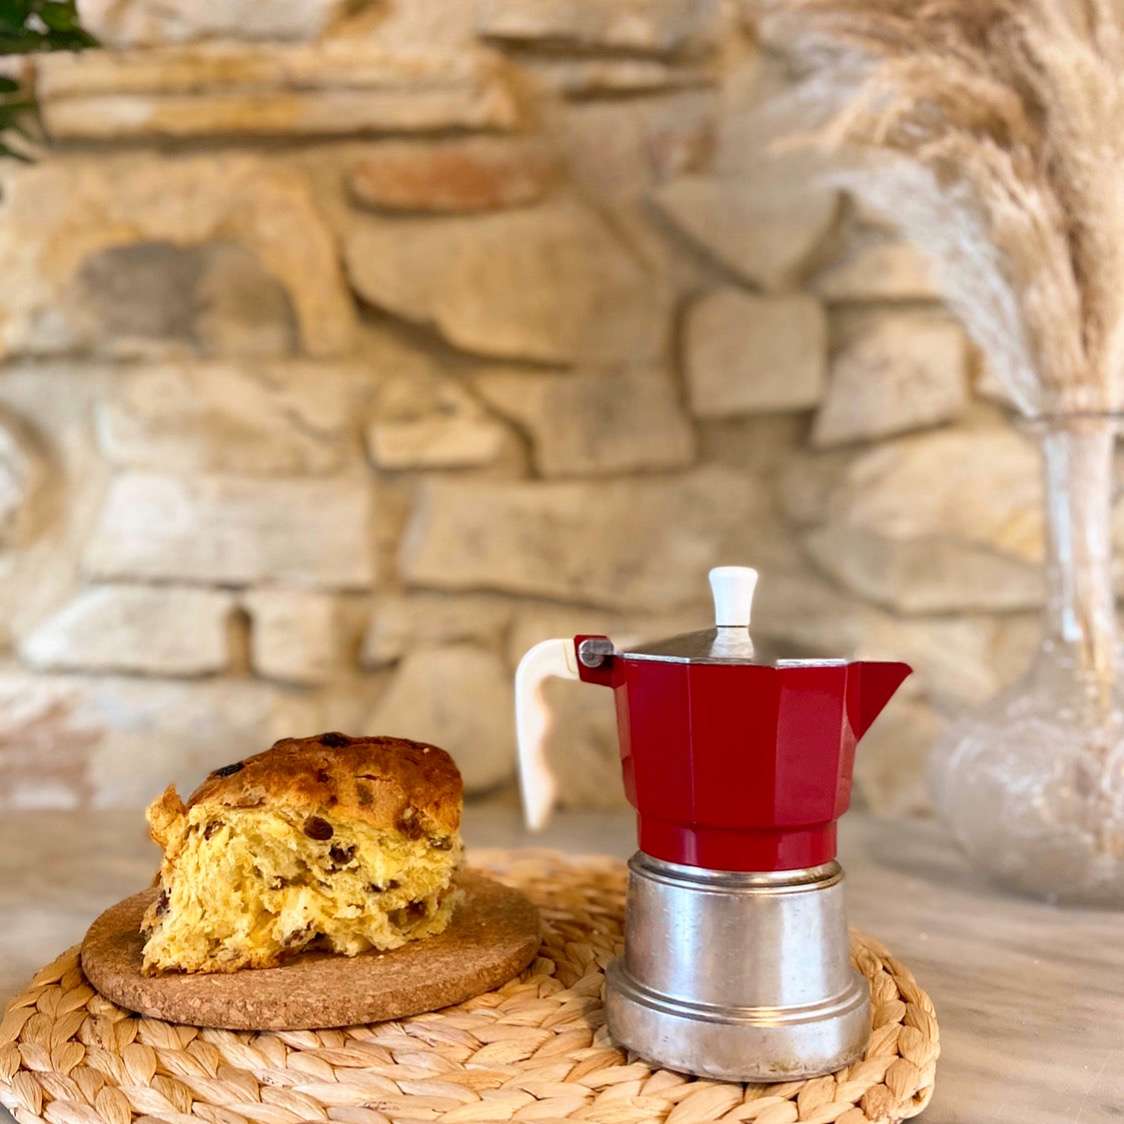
1030 998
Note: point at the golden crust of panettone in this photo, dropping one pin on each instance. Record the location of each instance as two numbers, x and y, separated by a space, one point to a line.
387 782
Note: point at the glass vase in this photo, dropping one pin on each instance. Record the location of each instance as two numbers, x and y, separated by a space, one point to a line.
1033 783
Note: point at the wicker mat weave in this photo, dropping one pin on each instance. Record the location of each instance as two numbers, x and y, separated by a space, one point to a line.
536 1049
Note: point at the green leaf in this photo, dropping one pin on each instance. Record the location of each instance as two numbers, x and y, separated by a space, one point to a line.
14 15
11 111
41 25
19 127
58 16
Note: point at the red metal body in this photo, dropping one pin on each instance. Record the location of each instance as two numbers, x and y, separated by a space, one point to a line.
741 766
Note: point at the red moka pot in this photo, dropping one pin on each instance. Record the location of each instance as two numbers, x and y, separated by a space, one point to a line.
736 955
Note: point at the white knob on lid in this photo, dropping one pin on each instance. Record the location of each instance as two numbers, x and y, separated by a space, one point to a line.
732 588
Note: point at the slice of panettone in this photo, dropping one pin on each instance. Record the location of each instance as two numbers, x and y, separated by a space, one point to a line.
344 843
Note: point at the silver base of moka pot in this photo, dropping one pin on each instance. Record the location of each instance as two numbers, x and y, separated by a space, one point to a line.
739 976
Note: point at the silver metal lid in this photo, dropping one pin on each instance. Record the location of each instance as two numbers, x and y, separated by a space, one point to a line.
728 642
708 645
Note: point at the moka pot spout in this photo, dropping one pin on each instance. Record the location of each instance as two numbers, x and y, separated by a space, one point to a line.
871 685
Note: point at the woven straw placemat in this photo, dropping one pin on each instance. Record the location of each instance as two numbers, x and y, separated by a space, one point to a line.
536 1049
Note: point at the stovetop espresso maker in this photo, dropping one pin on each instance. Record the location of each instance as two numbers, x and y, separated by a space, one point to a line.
736 961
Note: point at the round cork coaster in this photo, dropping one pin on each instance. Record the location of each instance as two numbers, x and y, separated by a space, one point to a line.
534 1049
493 935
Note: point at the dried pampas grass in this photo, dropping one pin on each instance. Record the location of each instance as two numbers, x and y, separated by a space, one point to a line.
992 133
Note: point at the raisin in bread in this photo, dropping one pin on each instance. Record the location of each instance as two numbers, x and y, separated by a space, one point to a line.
343 843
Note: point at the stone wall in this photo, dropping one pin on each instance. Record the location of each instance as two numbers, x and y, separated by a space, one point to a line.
348 351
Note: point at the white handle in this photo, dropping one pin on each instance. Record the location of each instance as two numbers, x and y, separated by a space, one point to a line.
732 588
547 660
